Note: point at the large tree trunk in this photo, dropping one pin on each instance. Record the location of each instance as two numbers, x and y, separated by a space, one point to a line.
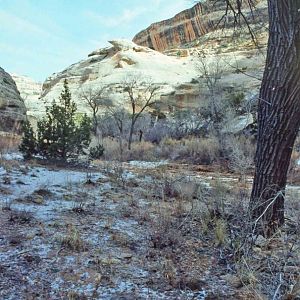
278 116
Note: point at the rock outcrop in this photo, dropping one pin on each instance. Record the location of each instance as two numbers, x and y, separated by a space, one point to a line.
191 24
30 91
111 66
153 54
12 107
178 78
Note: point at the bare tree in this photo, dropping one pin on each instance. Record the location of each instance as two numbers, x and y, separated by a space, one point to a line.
141 94
94 98
120 117
210 73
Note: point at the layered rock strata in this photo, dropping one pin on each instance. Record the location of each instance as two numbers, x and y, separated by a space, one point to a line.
191 24
12 107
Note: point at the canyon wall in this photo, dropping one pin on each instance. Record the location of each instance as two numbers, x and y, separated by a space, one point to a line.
12 108
191 24
185 27
30 92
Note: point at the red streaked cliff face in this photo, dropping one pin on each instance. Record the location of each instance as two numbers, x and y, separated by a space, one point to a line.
187 26
184 27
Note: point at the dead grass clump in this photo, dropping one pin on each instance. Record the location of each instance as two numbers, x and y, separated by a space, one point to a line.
72 240
168 148
240 152
202 151
163 228
73 295
194 150
117 173
78 207
141 151
6 205
221 232
21 216
112 150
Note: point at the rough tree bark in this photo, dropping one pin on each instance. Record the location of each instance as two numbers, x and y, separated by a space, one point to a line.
278 115
278 110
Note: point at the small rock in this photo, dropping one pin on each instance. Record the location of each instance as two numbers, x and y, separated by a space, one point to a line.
38 199
15 240
292 269
257 250
124 255
20 182
6 180
232 280
260 241
194 284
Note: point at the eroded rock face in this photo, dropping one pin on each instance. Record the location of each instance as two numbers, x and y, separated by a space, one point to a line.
183 28
178 78
30 91
12 107
191 24
111 66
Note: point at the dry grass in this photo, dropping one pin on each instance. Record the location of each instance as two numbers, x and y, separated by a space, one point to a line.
72 240
194 150
142 151
111 149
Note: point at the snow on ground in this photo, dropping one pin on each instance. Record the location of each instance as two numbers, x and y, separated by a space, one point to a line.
147 164
66 234
11 156
44 209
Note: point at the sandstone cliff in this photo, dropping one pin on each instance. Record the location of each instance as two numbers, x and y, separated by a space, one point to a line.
12 108
30 91
191 24
111 66
178 78
173 70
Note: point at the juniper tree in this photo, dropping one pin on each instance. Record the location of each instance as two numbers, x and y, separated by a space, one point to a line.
28 144
59 136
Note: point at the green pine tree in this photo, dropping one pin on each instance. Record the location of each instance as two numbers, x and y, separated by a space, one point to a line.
59 136
28 144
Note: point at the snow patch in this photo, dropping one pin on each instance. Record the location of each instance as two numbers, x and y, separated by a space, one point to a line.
147 164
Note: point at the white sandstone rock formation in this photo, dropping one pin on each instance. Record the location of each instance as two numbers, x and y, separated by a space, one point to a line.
30 91
177 77
111 66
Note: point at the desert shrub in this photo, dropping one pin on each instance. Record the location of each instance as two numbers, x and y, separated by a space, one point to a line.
204 151
113 148
240 152
195 150
141 151
158 132
96 152
167 147
235 100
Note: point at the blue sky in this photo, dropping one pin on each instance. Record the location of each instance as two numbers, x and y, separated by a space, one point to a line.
40 37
